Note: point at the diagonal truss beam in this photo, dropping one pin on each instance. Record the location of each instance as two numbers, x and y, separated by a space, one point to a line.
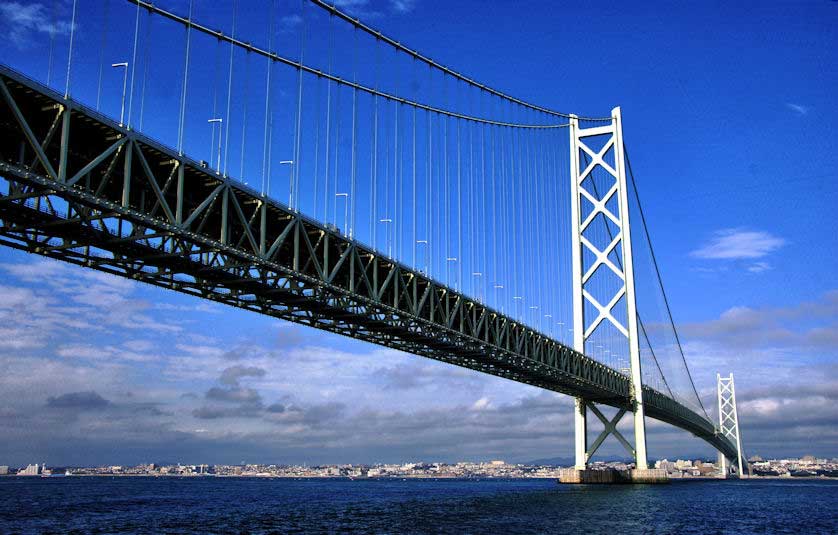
27 130
610 429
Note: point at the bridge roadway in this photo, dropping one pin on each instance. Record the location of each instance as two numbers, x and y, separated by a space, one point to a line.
78 187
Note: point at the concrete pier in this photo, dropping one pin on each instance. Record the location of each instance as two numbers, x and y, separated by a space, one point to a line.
609 477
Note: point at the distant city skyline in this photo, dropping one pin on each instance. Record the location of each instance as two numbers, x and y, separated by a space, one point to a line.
806 466
557 461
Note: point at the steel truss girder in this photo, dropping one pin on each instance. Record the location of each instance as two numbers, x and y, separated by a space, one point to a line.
191 230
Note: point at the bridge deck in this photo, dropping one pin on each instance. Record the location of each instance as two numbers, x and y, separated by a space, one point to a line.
81 188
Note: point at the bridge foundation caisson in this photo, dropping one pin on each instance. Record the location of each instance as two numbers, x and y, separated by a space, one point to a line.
612 254
610 477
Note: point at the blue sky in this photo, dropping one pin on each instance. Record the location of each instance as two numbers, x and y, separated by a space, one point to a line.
727 117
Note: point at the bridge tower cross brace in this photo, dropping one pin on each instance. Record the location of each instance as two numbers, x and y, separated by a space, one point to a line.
585 327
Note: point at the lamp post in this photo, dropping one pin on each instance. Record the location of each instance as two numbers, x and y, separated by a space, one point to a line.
345 212
427 266
387 221
451 259
498 288
518 313
123 65
220 121
535 314
478 274
290 164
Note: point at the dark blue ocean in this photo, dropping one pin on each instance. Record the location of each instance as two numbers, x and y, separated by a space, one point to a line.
249 505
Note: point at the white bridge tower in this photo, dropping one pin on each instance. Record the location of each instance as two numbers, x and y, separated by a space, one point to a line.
729 420
606 206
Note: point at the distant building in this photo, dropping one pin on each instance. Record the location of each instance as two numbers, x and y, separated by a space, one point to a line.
665 464
706 469
30 470
4 470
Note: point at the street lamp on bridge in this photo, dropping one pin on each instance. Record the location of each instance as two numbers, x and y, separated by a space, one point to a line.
387 221
345 212
290 163
449 260
518 313
219 121
427 255
498 288
124 66
535 314
478 275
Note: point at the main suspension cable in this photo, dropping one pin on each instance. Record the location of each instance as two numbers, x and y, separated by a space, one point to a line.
660 279
446 70
328 76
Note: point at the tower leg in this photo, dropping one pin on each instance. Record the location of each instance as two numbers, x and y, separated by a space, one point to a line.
581 426
640 460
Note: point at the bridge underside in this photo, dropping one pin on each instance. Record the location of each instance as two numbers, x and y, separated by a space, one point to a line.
78 187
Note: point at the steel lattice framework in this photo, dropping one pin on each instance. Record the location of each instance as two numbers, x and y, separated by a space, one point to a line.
78 187
618 244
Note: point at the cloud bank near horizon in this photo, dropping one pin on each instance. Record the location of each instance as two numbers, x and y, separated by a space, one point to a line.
100 369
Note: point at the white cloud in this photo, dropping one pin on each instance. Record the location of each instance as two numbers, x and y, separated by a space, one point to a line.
366 9
402 6
26 20
805 326
107 353
481 404
759 267
759 407
797 108
737 243
101 299
200 350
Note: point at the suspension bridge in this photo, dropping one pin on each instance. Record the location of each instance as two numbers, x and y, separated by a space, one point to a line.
288 159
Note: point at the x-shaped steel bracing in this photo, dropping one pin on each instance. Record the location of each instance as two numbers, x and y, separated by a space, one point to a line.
600 206
610 429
